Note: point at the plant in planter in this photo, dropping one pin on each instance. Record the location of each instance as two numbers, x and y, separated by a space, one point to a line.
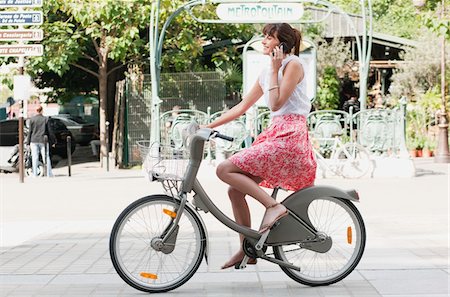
411 145
420 144
429 147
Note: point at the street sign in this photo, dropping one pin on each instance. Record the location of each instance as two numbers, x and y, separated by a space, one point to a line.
20 3
21 50
14 18
21 35
22 86
260 12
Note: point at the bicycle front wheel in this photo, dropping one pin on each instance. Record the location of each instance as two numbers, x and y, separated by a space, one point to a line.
354 160
339 220
136 250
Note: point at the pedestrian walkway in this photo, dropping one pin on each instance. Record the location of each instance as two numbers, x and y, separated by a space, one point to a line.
55 236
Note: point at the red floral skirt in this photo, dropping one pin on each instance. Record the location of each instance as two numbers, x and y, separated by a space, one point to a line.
281 155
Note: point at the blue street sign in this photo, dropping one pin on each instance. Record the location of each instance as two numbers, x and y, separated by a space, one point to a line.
21 3
21 18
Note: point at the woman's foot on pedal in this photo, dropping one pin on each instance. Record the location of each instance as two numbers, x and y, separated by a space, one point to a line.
273 214
237 259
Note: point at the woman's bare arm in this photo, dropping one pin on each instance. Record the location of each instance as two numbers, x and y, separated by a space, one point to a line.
293 74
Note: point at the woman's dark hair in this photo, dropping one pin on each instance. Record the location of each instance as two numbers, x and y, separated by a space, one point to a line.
285 33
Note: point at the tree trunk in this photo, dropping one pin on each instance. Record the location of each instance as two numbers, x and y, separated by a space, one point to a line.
103 91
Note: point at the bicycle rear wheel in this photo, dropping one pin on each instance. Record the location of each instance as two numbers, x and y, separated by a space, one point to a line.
134 244
355 160
335 218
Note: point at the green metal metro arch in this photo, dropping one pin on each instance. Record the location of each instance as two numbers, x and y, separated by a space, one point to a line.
157 38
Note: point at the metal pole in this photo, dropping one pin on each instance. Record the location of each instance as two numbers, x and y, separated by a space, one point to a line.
21 143
21 125
69 155
44 158
107 146
442 154
403 151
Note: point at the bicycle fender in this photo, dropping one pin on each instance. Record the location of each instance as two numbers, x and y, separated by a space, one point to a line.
298 203
323 191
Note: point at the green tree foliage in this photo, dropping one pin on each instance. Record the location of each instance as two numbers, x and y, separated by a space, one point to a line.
89 35
328 90
186 37
393 17
435 20
420 70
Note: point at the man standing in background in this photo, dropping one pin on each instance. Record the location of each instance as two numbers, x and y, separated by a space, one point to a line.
39 128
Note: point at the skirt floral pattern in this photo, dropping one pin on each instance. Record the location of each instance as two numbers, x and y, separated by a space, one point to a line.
281 155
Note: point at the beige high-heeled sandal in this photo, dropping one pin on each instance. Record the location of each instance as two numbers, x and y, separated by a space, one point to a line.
267 226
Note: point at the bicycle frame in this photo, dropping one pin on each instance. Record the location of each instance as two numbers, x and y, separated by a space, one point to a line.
295 203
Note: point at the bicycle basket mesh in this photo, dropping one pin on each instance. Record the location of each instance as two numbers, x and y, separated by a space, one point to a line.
163 162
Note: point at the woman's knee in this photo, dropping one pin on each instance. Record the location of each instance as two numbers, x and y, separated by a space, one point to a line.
223 169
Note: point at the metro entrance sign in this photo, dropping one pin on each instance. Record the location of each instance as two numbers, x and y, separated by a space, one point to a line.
260 12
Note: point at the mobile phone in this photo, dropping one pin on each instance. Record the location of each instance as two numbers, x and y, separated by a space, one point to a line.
283 47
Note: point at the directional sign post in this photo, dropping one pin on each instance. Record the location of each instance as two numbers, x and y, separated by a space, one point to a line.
21 50
20 18
21 35
13 18
20 3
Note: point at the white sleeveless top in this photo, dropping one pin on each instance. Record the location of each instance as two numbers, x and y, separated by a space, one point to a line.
298 102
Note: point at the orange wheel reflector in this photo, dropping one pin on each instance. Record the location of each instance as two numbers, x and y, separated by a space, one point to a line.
149 275
170 213
349 235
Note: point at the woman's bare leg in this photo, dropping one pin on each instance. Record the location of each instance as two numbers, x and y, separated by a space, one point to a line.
241 214
243 182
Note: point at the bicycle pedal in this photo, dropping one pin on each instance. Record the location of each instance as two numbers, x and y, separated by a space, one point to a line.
239 266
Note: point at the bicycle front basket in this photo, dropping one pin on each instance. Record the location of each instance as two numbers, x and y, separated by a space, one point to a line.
163 162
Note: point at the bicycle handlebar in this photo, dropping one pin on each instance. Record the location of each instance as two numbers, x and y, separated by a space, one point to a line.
224 137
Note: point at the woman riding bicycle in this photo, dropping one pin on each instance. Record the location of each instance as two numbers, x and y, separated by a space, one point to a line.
281 156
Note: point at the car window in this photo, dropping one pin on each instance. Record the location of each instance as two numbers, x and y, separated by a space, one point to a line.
9 132
71 122
78 120
57 125
9 127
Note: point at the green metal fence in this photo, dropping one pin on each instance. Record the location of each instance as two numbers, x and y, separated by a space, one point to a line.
193 90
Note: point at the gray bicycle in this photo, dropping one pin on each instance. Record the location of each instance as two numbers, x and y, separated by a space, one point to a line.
158 242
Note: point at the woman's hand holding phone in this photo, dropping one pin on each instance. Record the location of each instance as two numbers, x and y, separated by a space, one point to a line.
277 56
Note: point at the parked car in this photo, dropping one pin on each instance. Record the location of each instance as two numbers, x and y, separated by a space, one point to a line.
9 135
82 131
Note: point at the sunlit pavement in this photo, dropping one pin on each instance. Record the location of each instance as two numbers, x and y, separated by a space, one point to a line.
55 231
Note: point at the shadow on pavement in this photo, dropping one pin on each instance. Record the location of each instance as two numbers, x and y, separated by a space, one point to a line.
427 167
82 154
425 172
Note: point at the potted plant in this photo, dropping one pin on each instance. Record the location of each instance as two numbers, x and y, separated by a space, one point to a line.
411 145
429 147
420 143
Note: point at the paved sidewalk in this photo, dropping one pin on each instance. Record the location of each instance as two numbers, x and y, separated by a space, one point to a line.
55 232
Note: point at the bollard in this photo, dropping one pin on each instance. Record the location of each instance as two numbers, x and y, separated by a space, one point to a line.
44 158
107 146
69 155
